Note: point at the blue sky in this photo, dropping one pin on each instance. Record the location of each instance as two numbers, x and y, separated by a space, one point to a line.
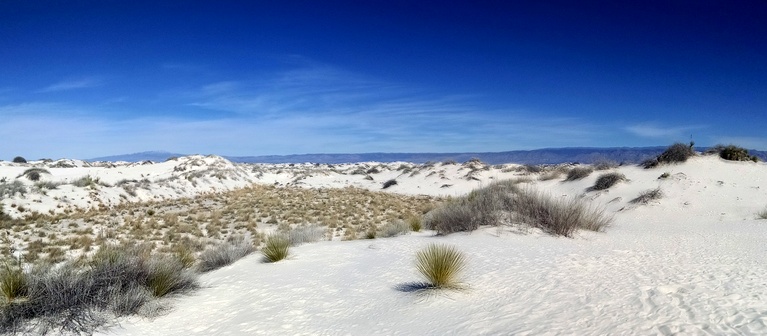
83 79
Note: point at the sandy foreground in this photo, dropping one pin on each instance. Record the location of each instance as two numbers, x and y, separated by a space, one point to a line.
692 262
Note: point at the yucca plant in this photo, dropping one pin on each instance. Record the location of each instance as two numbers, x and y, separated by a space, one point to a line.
440 265
276 248
13 283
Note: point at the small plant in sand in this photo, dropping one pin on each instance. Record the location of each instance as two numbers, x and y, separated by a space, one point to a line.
13 282
34 174
734 153
19 159
440 265
676 153
276 248
763 214
578 173
415 223
389 183
647 196
605 181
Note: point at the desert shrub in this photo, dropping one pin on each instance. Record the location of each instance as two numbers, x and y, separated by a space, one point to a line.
392 229
224 254
33 174
554 174
533 169
440 265
664 176
276 248
735 153
480 207
763 214
415 223
9 189
389 183
167 275
449 162
556 216
184 255
606 181
77 297
13 283
47 185
604 165
647 196
85 181
676 153
306 234
578 173
19 159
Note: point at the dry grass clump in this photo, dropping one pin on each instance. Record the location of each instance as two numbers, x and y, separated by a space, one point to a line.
34 174
676 153
306 234
604 165
76 297
224 254
605 181
393 229
440 266
762 214
389 183
501 201
578 173
647 196
733 153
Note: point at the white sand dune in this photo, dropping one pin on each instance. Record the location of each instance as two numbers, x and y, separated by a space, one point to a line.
692 262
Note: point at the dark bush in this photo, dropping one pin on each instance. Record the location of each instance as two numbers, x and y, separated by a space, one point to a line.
606 181
735 153
578 173
676 153
19 159
389 183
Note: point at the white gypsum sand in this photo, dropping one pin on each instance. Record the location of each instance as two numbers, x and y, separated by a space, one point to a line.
691 262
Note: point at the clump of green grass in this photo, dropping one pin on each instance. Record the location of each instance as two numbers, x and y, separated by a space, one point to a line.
415 223
276 248
440 265
13 283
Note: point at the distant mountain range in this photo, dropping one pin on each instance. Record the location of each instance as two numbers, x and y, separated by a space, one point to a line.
537 156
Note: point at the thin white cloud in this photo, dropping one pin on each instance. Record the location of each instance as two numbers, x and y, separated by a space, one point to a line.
661 132
73 84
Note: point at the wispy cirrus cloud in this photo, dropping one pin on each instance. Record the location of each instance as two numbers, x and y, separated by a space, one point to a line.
314 109
73 84
650 130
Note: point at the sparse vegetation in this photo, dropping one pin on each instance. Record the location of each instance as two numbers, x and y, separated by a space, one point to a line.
676 153
506 203
389 183
605 181
762 214
647 196
19 159
10 189
72 298
441 266
33 174
733 153
224 254
578 173
415 223
394 228
277 248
